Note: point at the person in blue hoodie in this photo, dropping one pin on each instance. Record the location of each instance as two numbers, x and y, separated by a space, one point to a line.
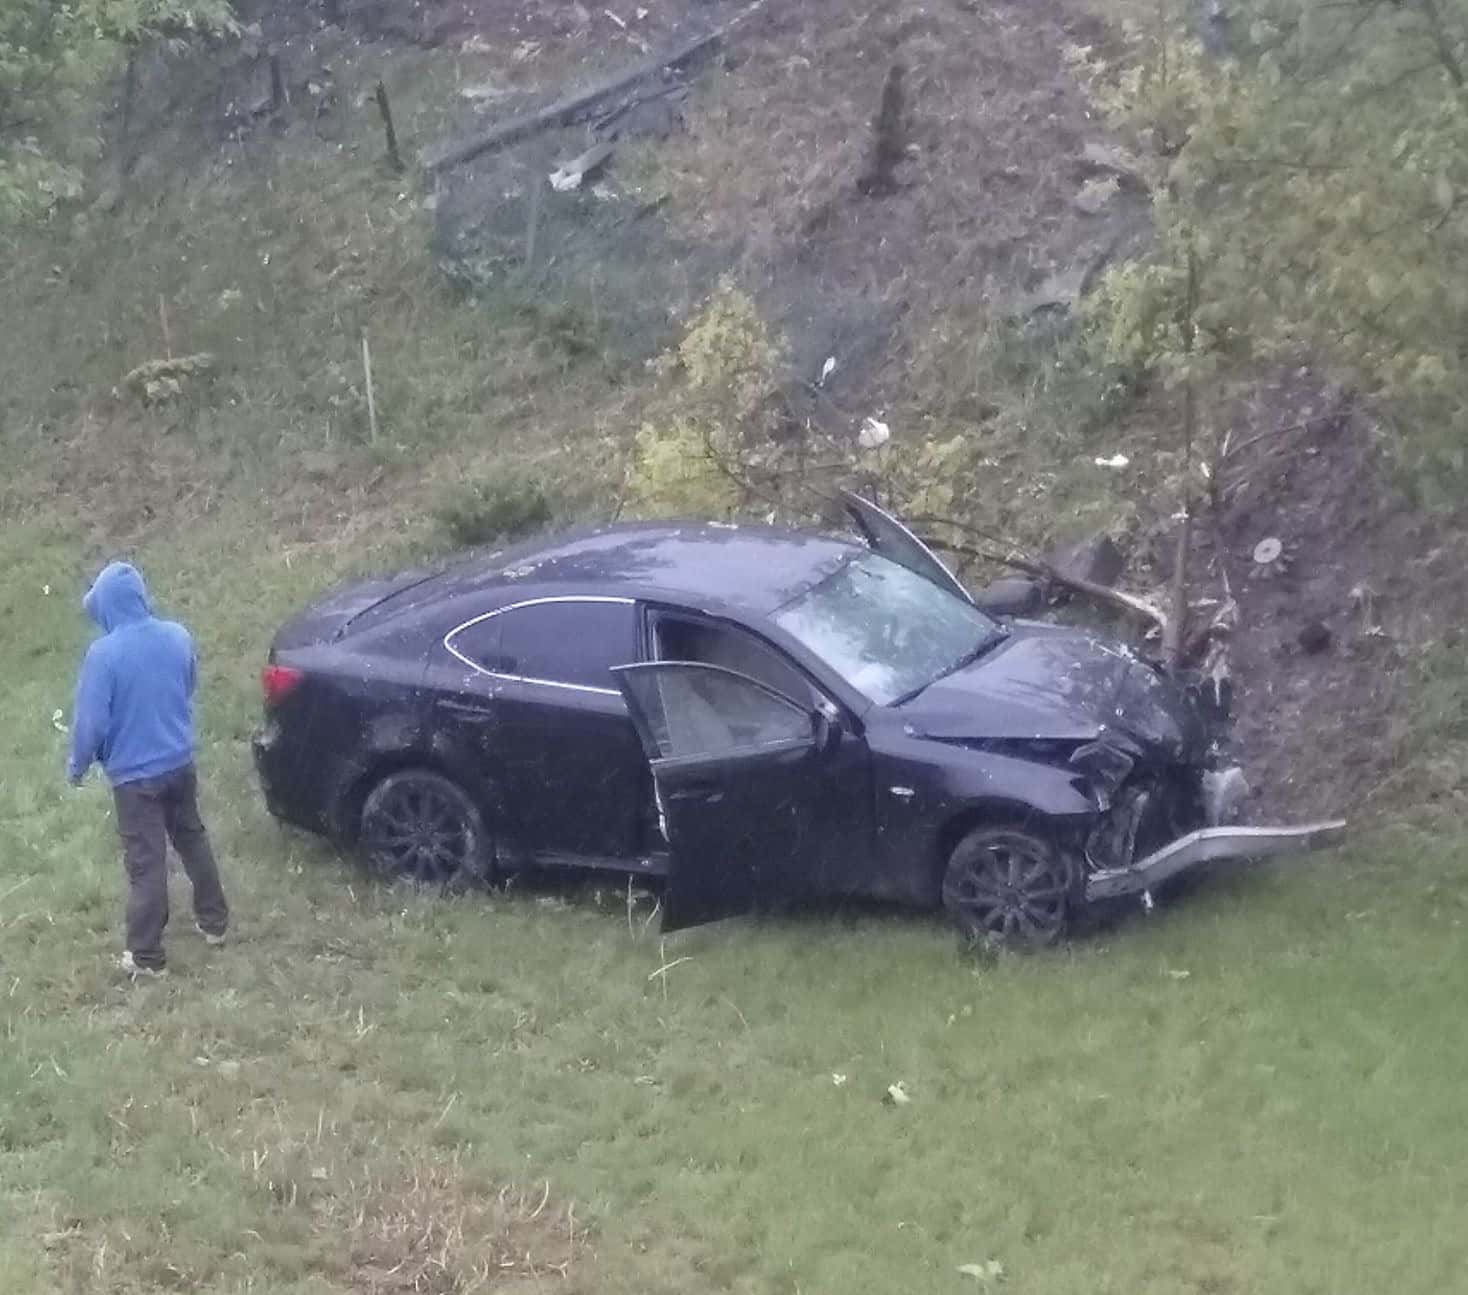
134 713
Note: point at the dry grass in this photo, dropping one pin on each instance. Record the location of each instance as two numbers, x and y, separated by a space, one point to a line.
424 1234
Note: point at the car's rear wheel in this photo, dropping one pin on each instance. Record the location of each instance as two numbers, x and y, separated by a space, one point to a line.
419 826
1006 886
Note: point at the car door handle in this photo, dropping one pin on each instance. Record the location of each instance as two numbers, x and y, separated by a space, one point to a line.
475 714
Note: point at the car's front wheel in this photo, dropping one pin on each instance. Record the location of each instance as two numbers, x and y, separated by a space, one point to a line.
420 826
1007 886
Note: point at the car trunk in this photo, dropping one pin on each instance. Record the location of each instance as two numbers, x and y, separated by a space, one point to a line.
329 617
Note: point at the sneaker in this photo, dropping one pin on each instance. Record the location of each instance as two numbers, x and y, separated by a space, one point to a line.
213 941
130 967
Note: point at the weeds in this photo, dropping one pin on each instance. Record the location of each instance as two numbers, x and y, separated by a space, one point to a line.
485 511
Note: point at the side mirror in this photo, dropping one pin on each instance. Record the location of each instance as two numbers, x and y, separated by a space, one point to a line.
826 729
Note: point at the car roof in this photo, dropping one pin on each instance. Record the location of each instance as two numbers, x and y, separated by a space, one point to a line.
751 569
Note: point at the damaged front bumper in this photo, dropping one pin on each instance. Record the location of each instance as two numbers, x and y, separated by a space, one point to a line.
1206 845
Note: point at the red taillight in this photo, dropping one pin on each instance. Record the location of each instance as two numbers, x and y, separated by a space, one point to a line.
278 682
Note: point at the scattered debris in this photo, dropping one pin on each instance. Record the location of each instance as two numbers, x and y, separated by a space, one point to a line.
986 1273
897 1094
569 175
839 1080
874 434
58 721
1114 461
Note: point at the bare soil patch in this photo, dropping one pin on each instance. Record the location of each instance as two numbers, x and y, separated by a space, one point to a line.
1366 583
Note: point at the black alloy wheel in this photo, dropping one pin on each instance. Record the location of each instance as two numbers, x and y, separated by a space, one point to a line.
1005 886
419 826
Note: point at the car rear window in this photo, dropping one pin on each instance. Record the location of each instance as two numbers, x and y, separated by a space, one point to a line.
574 642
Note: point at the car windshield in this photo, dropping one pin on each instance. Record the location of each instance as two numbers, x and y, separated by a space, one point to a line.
886 630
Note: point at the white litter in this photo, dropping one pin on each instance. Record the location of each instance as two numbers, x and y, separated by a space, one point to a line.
1114 461
874 434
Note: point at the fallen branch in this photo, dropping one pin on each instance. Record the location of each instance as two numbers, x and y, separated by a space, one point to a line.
563 110
1043 570
1101 593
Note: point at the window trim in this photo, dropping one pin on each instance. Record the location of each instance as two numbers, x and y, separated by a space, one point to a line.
776 746
821 692
533 602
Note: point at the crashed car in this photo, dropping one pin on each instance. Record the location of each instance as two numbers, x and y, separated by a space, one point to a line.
751 715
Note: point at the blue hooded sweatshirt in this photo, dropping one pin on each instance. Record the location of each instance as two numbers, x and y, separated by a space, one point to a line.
134 698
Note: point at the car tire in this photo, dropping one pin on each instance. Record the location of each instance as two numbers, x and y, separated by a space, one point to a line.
1008 887
419 826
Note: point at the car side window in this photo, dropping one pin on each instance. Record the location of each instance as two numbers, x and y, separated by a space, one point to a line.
703 711
708 643
479 643
572 642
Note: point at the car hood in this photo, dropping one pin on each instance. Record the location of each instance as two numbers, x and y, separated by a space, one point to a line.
1042 683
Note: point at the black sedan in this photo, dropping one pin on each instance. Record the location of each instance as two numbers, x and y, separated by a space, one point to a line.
751 714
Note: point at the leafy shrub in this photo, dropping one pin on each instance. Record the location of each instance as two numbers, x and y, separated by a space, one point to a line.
483 512
711 430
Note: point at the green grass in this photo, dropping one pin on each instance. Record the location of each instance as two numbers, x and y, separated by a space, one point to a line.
1256 1090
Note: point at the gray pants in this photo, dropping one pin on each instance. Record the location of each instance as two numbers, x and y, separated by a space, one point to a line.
151 813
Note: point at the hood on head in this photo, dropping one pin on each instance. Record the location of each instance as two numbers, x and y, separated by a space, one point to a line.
117 597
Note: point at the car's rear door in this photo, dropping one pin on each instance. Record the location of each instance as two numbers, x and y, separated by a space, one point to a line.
571 766
749 786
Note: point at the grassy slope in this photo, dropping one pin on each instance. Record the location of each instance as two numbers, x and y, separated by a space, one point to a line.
1254 1091
372 1090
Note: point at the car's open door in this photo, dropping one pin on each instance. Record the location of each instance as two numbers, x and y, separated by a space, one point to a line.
742 785
884 534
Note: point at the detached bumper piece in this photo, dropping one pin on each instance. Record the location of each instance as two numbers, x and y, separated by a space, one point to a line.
1207 845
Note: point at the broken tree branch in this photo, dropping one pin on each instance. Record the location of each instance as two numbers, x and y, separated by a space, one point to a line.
1041 570
563 110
